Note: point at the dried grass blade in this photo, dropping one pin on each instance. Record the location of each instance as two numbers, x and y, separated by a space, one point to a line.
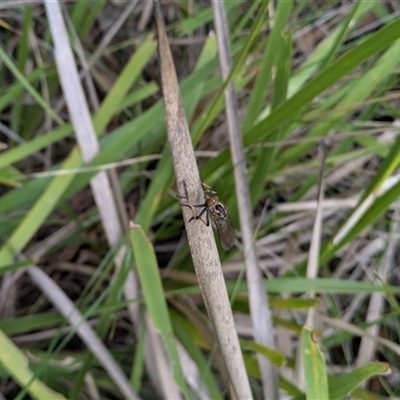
201 241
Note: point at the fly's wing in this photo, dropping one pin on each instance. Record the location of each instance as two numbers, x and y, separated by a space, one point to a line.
226 233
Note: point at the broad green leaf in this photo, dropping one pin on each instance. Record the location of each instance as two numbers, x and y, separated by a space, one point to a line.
316 381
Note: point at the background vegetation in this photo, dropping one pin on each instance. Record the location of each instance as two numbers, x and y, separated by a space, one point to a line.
306 71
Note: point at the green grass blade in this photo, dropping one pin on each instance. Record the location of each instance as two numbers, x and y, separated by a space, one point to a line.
54 192
203 17
90 17
268 61
21 65
301 285
155 300
125 80
341 386
346 100
211 113
22 151
283 70
16 365
16 90
38 214
30 89
276 357
379 206
314 366
137 371
287 111
339 38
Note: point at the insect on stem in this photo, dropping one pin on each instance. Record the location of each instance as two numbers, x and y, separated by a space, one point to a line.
218 212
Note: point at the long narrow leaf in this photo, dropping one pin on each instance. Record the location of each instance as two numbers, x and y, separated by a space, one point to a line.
155 300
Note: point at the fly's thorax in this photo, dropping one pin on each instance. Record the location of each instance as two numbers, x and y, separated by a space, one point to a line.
212 201
218 212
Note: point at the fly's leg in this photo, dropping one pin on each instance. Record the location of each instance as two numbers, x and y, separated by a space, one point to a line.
207 221
208 188
192 207
198 217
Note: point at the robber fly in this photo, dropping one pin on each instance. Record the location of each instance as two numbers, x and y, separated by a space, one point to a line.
213 208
